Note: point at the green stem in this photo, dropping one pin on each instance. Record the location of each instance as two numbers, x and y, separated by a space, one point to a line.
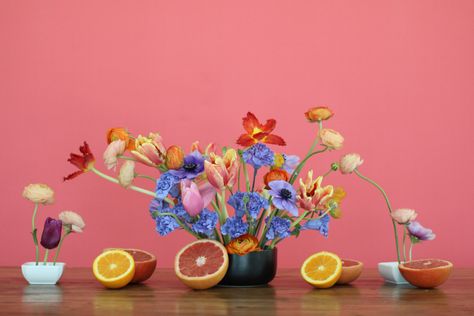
403 245
255 170
264 239
46 253
223 208
262 216
246 174
132 187
388 205
299 219
59 246
327 173
144 176
298 169
34 233
301 164
411 248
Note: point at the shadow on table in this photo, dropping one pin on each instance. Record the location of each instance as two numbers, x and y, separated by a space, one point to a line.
408 293
331 300
124 301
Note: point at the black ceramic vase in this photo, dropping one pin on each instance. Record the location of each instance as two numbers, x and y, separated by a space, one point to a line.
253 269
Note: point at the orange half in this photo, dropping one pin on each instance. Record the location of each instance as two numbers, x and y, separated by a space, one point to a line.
114 268
322 270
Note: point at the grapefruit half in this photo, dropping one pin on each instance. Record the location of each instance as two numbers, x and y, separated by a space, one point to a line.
426 273
351 270
202 264
145 263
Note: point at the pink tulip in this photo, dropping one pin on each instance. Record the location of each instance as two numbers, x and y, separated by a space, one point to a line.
195 198
222 171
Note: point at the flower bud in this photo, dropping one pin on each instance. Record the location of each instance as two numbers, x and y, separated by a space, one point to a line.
174 157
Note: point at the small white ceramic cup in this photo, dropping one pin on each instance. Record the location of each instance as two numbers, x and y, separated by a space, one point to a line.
42 274
390 272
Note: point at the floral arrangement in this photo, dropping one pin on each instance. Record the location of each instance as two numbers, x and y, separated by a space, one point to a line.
404 217
213 193
55 230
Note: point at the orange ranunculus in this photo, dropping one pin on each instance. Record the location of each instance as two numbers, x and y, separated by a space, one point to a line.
243 245
312 195
259 133
319 113
174 157
222 172
120 133
275 174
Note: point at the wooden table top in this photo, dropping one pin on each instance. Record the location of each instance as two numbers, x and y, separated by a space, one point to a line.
79 293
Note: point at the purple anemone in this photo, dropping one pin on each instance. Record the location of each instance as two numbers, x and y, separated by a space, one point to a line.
418 231
192 167
284 196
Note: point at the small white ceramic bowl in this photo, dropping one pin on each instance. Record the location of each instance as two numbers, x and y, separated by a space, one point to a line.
42 274
390 272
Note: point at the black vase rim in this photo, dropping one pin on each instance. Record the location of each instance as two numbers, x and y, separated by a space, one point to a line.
253 253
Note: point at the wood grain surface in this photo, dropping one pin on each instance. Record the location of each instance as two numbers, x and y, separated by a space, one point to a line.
79 294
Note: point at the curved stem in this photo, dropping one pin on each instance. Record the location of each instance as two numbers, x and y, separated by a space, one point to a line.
403 244
132 187
34 233
302 163
127 158
327 173
411 248
144 176
59 246
388 205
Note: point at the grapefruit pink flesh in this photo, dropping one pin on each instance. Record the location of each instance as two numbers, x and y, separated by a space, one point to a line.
200 260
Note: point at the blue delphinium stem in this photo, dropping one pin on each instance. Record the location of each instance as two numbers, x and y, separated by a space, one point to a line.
180 223
255 170
388 205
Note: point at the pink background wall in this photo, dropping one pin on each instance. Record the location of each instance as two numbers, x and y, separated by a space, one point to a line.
399 74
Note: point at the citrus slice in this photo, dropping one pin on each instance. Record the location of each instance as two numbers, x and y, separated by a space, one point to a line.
351 270
145 263
322 270
114 268
201 264
426 273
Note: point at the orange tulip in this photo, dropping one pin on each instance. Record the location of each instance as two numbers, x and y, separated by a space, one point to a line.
120 133
174 157
275 174
259 133
222 172
243 245
149 150
319 113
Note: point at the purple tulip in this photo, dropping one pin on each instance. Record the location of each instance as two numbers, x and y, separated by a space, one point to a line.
51 233
416 230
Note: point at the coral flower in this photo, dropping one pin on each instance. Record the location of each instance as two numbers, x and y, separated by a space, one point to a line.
195 198
174 157
319 113
311 195
222 171
120 133
404 215
149 150
39 193
73 219
331 138
350 162
243 245
275 174
83 162
51 233
259 133
113 151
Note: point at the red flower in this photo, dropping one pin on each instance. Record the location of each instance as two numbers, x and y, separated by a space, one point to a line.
83 162
259 133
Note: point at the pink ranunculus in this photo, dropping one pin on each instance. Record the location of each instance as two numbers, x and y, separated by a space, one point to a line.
114 149
195 198
404 216
350 162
